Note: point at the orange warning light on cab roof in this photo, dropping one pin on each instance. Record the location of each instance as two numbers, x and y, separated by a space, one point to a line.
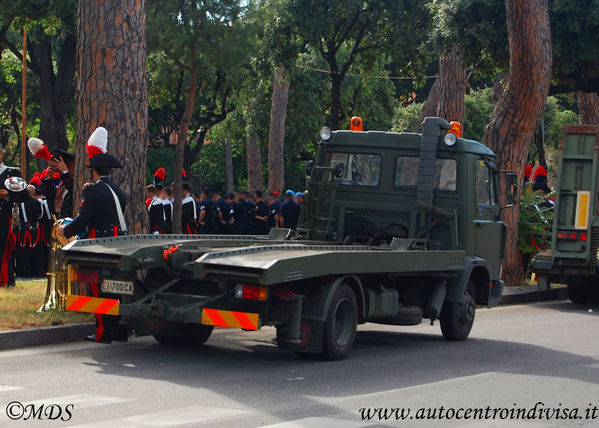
355 124
456 128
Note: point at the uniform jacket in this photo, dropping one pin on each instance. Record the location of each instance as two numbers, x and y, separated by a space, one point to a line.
98 212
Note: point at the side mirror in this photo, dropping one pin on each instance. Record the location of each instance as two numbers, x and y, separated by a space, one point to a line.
511 188
338 170
308 168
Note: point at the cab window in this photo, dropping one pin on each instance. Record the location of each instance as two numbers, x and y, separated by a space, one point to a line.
359 169
485 185
406 173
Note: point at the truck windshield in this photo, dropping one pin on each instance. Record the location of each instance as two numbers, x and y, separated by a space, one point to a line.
359 169
406 172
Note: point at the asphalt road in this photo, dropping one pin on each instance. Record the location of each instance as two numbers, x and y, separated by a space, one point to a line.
523 354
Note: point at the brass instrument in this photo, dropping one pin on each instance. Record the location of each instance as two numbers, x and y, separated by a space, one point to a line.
58 281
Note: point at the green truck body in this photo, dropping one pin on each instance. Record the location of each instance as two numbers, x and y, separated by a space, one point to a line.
395 227
575 234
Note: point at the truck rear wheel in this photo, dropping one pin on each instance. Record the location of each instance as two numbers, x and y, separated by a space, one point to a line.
457 318
190 335
340 324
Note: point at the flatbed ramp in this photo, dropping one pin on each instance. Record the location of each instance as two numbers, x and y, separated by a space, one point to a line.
285 263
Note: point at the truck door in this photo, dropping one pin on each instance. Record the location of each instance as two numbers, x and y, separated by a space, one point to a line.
489 230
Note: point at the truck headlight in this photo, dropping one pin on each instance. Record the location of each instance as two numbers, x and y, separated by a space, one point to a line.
325 133
450 139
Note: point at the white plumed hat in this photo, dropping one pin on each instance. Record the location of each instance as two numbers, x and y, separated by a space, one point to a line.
97 142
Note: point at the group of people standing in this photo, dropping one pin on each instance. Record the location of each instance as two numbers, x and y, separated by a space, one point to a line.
25 239
212 213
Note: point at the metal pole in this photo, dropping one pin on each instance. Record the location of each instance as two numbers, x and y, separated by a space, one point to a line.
24 109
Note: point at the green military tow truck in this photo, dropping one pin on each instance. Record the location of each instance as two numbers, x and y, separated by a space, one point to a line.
573 259
396 227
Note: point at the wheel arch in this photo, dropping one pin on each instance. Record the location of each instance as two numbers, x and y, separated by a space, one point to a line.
477 270
355 284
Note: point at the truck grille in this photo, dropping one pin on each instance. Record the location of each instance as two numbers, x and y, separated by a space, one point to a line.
594 244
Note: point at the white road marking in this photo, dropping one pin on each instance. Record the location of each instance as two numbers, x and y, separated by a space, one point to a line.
397 390
80 401
170 418
6 388
316 422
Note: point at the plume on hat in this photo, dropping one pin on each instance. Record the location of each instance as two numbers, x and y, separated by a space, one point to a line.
39 149
97 142
36 181
184 173
159 175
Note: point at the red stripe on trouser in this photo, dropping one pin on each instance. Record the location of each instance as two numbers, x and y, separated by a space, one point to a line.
116 231
37 240
188 230
244 321
100 326
7 253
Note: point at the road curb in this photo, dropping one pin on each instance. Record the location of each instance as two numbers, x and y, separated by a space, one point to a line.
45 335
514 295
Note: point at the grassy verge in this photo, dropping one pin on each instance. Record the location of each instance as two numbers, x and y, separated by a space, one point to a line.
19 305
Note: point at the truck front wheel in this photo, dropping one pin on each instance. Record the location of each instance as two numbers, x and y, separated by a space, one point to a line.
340 324
457 318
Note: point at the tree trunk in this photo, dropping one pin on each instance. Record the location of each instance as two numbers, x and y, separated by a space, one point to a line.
588 104
430 106
111 87
180 148
336 80
229 166
254 159
517 112
56 89
452 86
276 135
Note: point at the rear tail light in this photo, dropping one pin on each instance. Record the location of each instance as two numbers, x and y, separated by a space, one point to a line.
85 276
251 292
572 236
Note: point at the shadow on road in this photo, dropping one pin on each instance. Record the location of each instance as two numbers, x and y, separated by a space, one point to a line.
252 371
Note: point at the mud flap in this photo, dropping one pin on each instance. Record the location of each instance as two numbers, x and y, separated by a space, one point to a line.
495 293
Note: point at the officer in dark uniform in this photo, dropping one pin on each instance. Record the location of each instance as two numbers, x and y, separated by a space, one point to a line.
7 237
208 216
290 211
261 225
102 214
240 213
169 209
156 213
224 219
189 211
274 206
61 196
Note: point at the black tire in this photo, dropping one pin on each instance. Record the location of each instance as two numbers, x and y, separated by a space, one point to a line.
190 335
340 325
457 318
579 293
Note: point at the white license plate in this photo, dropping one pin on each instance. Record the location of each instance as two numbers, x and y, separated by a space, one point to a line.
117 287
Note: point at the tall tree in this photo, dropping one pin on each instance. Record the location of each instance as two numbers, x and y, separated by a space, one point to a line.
276 135
452 85
588 104
199 49
517 112
345 32
52 52
111 87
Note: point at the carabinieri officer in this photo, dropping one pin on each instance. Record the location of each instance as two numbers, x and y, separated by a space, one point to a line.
102 214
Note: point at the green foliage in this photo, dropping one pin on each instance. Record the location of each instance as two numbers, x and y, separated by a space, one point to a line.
556 117
477 113
535 223
406 118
